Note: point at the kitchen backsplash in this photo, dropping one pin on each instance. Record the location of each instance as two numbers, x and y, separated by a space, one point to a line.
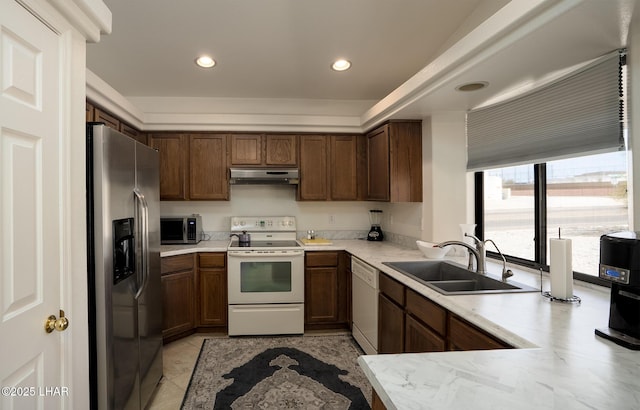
329 219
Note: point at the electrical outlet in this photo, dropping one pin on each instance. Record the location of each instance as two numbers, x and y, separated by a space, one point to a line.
332 219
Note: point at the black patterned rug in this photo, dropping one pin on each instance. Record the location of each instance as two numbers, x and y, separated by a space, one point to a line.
303 372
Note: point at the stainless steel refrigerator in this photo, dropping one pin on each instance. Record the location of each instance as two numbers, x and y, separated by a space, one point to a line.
125 293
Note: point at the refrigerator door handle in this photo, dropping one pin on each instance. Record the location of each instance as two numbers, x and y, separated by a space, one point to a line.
143 217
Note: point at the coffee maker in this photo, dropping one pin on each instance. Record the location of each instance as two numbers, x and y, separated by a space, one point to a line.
620 264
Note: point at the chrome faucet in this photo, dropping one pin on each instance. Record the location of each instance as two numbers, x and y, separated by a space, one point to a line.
480 253
473 252
506 273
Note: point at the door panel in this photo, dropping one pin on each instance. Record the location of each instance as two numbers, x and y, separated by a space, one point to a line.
31 205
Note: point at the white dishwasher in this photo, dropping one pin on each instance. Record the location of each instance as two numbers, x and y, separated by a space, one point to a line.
365 305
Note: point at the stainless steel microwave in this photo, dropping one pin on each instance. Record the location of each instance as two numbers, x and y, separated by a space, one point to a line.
180 229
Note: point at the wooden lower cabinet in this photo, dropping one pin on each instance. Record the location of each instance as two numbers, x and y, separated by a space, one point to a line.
212 271
411 323
327 289
465 336
178 292
194 288
391 324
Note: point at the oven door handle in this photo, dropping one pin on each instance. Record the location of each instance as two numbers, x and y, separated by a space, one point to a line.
245 254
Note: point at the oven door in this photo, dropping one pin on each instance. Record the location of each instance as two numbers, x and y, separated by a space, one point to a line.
266 277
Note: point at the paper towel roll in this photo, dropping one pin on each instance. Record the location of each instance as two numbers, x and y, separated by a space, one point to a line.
561 269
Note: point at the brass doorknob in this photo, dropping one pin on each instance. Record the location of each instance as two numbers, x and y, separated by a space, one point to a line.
54 323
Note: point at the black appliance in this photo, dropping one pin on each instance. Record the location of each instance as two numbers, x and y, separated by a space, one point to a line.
375 233
620 264
180 230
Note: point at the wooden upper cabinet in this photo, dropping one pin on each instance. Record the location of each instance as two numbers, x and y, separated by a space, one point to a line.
281 150
313 168
328 168
102 116
172 149
343 168
192 166
406 161
246 149
88 112
208 167
378 164
394 162
263 150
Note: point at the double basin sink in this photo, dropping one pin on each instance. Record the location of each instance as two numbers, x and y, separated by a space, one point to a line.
450 278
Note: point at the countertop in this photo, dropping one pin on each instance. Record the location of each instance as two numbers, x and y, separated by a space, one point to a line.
558 362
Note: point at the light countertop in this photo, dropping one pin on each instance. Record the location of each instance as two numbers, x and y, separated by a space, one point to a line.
558 362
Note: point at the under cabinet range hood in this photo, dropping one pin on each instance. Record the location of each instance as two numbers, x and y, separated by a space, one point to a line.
263 176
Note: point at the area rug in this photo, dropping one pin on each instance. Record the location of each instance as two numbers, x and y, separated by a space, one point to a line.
304 372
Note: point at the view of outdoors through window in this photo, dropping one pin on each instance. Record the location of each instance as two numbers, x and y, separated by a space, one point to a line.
509 210
586 198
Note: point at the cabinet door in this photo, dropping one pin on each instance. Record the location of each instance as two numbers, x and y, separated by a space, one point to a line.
109 120
213 297
378 164
313 168
212 269
405 147
321 295
246 149
178 303
172 151
419 338
390 326
281 150
208 167
343 162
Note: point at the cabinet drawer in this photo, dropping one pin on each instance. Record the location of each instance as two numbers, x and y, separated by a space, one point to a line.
392 289
321 259
211 260
176 263
465 336
428 312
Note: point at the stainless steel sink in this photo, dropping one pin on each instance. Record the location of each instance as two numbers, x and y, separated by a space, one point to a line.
449 278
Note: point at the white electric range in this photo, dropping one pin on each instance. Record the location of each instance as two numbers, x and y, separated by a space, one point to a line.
265 277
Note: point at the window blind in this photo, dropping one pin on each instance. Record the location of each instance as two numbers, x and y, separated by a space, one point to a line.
574 116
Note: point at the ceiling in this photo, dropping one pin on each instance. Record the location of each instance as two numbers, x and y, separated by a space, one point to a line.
276 48
408 56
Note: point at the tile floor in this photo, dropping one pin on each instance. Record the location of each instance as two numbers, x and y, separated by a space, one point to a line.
179 358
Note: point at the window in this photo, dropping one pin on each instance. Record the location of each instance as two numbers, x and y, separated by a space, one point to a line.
509 210
585 197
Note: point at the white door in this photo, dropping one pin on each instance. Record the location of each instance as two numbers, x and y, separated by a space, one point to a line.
32 208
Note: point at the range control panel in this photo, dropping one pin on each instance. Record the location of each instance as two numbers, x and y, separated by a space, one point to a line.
263 223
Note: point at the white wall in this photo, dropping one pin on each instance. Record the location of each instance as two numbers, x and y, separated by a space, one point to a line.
447 188
270 200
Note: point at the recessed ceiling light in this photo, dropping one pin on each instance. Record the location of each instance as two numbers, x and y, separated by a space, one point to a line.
341 65
475 86
205 61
